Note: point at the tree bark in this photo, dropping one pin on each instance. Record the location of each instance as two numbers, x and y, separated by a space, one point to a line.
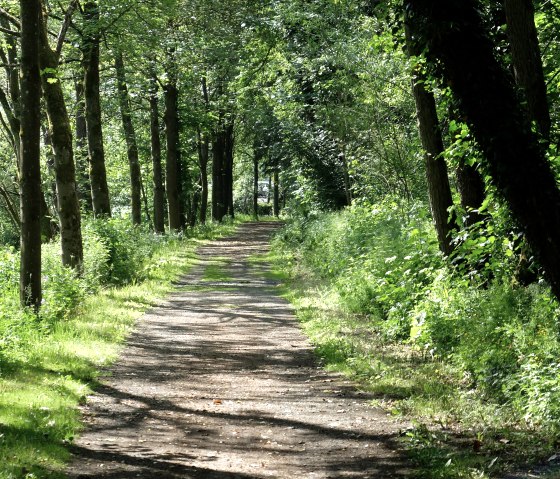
130 137
83 183
256 160
276 204
527 63
203 154
456 40
172 165
68 207
30 169
219 201
439 190
98 173
228 169
159 190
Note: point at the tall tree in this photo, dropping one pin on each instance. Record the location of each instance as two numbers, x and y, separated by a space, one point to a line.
62 143
172 177
459 46
439 191
527 63
130 137
90 51
159 190
30 170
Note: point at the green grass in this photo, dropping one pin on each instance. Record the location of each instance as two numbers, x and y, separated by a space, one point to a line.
456 432
41 389
216 270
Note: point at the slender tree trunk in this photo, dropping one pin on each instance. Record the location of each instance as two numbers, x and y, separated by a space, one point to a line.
12 210
228 170
172 165
61 139
276 205
130 136
527 63
256 160
159 190
30 168
219 202
98 173
439 190
83 184
346 174
454 37
203 153
471 190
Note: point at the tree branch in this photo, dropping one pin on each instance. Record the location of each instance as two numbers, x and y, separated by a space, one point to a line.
64 28
13 20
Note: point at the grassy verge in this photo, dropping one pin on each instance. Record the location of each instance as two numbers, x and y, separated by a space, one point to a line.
457 431
40 389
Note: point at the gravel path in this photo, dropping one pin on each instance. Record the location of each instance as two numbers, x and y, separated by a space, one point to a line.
219 382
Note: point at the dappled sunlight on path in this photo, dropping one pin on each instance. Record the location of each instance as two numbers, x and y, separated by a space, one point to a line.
219 382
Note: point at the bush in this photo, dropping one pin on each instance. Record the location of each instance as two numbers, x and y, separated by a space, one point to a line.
383 262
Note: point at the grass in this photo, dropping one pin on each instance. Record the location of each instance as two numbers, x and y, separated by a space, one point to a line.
216 270
456 432
40 391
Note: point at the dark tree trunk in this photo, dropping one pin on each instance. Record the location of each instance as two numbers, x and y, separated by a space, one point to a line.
527 63
456 39
439 191
172 165
276 204
471 190
219 202
131 144
228 170
83 184
203 153
98 173
256 160
61 139
30 168
159 190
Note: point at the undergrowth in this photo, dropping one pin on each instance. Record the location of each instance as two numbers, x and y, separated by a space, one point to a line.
49 363
465 353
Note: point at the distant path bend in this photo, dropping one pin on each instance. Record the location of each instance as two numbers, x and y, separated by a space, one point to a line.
218 382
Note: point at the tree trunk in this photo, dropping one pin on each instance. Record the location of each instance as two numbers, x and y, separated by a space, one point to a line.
159 190
30 168
439 191
228 169
456 39
61 139
98 173
203 153
83 184
527 63
219 201
471 190
172 165
256 160
276 205
131 144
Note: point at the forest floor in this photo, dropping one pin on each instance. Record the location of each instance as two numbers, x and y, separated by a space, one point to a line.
219 382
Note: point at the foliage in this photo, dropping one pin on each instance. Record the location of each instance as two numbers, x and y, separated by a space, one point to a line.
383 288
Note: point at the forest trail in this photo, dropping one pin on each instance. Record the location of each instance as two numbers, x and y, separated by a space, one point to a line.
219 382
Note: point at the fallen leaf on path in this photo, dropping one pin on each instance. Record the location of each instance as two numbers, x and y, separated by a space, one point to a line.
218 401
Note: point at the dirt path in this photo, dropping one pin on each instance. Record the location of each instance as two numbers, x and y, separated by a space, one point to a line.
219 382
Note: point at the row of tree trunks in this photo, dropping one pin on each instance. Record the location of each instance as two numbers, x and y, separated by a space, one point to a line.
222 171
456 41
203 155
131 143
